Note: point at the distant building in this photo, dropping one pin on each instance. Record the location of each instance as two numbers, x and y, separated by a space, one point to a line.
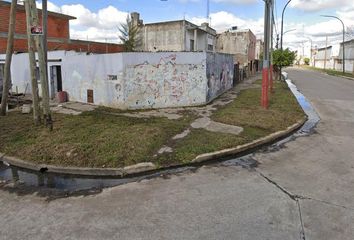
323 58
349 57
240 43
259 53
58 33
180 35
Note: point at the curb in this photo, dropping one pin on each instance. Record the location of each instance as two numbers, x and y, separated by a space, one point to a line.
148 167
249 146
98 172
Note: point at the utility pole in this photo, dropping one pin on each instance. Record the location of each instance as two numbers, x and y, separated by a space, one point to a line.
45 33
271 46
266 53
325 60
32 61
9 51
41 59
343 56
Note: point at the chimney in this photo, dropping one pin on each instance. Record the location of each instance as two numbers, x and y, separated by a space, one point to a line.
135 18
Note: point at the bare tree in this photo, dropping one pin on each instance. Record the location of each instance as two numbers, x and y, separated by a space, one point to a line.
129 35
9 51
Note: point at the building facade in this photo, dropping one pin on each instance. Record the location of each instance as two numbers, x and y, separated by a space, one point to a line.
133 80
58 33
178 35
241 44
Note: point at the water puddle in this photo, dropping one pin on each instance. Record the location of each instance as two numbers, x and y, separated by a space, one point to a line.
23 177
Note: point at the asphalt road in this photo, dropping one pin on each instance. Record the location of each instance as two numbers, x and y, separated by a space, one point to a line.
302 191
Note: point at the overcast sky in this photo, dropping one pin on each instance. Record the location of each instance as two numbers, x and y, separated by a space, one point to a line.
98 19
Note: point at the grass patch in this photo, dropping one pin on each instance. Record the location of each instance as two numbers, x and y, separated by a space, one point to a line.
92 139
330 71
246 112
103 138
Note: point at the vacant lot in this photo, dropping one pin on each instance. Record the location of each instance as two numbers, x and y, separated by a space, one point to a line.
102 138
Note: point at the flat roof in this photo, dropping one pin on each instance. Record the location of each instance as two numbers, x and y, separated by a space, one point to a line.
55 14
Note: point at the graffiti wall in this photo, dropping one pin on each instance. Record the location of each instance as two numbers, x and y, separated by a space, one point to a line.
147 80
219 71
166 83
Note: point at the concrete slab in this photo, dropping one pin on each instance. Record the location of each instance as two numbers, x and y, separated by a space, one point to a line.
326 222
213 203
223 128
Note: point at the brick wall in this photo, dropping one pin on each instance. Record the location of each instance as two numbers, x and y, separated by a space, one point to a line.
58 27
20 45
58 33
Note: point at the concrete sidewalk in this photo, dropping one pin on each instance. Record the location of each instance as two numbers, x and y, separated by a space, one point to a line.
303 191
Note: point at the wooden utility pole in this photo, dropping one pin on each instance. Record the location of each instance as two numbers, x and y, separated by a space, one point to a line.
9 51
42 69
33 66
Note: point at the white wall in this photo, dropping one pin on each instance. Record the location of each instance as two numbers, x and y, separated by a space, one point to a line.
137 80
144 80
20 69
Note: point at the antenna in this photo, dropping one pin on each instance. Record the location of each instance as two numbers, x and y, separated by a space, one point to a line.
208 11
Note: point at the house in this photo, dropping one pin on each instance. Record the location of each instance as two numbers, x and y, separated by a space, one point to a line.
58 33
242 44
180 35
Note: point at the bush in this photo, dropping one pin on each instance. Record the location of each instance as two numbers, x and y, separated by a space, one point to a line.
307 61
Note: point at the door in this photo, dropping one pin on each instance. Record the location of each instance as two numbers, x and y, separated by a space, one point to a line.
53 77
89 95
1 76
56 84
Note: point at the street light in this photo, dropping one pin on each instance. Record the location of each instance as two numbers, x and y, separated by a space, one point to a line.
282 25
281 33
343 60
289 31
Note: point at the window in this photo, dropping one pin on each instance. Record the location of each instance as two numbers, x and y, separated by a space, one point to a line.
191 45
112 77
210 47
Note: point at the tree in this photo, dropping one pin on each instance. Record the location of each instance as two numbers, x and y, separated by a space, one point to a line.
283 58
9 51
129 35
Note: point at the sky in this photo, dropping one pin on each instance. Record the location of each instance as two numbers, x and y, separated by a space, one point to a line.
98 20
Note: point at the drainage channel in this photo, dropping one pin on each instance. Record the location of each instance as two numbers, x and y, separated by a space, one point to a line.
72 183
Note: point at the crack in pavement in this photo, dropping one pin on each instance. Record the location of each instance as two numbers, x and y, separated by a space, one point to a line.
300 197
293 197
302 233
297 198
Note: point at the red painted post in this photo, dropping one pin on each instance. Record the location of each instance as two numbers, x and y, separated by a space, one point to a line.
271 77
264 98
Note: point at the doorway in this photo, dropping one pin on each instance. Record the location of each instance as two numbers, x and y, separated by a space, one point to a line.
56 84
